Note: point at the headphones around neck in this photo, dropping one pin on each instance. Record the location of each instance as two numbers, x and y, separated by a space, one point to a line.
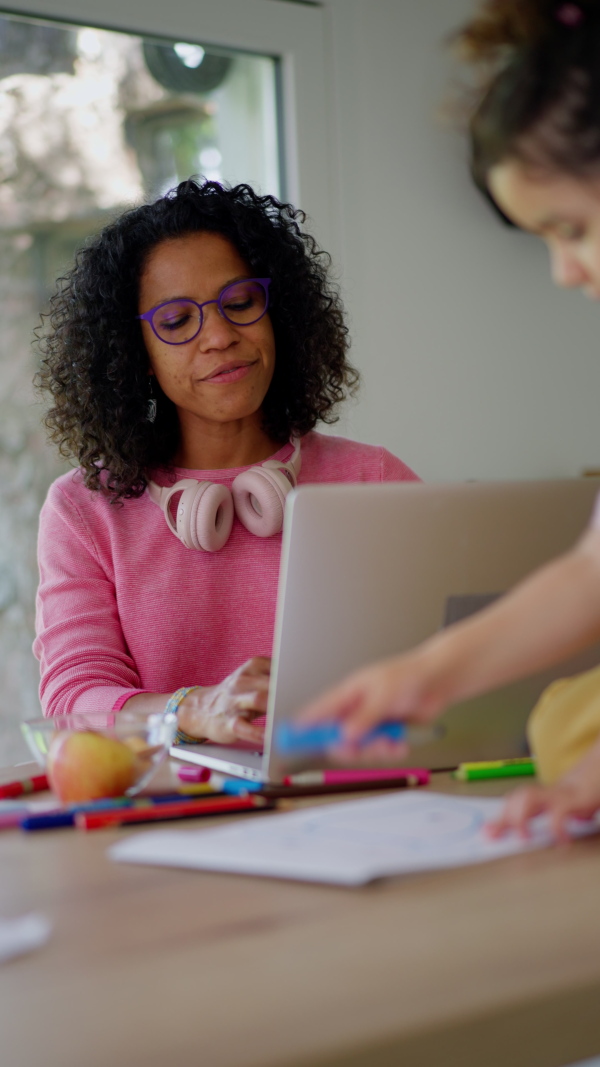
205 509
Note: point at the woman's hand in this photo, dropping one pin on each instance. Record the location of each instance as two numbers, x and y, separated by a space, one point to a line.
407 687
576 796
224 712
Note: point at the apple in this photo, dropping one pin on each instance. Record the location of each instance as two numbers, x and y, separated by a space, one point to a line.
87 766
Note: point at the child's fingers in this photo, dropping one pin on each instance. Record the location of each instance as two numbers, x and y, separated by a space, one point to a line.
559 815
519 808
336 703
384 691
377 704
567 803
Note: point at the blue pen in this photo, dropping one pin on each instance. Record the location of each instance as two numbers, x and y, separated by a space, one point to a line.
295 739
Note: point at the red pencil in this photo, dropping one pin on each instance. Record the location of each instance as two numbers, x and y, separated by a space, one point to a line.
27 785
184 809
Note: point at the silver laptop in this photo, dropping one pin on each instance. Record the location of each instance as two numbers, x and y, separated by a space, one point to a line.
369 570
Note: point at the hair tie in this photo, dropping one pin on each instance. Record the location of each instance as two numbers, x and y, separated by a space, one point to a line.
570 15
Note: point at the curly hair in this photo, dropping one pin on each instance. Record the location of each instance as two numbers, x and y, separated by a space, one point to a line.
538 91
95 364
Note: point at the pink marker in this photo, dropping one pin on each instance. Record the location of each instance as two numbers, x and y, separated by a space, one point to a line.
191 773
414 776
9 819
15 816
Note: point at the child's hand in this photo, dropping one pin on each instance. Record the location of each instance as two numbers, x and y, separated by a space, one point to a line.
577 795
402 687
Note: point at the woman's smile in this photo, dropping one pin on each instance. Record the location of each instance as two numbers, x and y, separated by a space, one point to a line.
230 372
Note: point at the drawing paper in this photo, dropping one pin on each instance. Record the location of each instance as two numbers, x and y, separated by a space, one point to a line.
349 844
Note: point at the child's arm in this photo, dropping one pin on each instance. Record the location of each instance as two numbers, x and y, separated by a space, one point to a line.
577 795
546 618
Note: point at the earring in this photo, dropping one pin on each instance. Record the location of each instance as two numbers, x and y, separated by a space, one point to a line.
151 408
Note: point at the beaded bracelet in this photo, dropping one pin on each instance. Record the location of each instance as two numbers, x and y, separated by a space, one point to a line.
181 738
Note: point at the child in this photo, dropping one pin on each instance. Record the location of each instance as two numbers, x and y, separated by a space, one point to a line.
535 141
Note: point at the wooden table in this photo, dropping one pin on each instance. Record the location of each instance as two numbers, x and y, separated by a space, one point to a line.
491 966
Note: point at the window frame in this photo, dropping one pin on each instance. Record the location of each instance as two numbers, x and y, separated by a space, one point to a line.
294 33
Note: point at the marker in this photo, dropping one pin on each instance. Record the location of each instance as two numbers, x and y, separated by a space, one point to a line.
12 813
182 810
52 821
10 819
296 739
412 776
320 783
237 787
200 789
61 817
27 785
508 768
191 773
516 761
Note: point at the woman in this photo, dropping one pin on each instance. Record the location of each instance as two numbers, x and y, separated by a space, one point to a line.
535 138
191 351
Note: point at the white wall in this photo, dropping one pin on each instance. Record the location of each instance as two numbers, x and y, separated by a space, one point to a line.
474 365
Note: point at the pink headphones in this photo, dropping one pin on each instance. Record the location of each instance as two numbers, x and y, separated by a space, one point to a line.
205 509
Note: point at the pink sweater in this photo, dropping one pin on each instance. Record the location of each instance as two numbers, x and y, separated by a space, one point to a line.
124 608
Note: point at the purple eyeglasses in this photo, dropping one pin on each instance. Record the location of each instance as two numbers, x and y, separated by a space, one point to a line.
178 321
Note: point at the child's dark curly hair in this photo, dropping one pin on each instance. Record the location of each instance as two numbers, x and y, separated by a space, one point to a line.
95 364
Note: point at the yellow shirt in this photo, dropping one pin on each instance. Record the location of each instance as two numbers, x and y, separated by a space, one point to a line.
565 723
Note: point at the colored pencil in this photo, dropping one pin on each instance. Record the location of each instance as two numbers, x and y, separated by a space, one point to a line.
188 809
